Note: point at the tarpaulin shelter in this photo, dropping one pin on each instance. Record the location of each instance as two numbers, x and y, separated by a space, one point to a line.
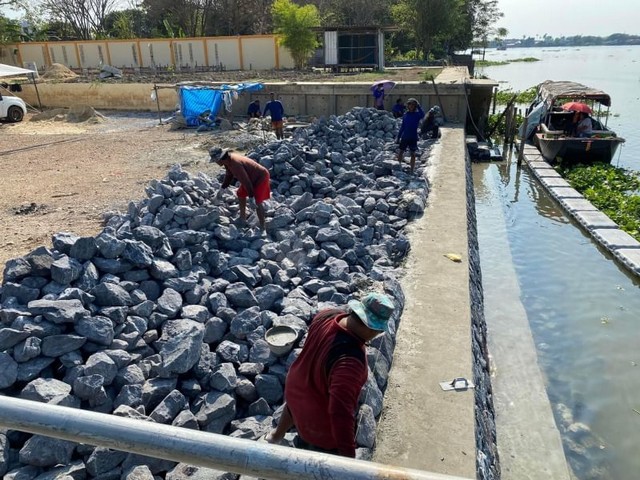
196 99
11 71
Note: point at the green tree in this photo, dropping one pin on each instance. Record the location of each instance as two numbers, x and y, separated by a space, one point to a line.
10 31
130 23
485 14
433 23
295 26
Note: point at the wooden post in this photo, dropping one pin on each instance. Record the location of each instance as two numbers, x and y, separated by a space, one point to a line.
512 125
155 89
523 140
495 99
507 123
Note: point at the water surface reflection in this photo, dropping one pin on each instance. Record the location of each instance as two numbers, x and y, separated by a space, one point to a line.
582 309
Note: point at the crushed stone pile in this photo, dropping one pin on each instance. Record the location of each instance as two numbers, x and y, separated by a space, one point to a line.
162 315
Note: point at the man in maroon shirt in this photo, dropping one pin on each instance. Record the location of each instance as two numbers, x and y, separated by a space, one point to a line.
324 383
254 179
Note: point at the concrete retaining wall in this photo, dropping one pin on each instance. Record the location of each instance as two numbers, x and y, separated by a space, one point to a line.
313 99
486 439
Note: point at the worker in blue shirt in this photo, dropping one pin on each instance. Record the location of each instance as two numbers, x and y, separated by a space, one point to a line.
408 134
398 109
254 109
277 113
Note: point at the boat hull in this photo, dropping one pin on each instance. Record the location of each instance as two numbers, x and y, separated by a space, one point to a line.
578 150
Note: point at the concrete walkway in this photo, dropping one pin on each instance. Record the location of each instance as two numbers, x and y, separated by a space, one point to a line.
422 426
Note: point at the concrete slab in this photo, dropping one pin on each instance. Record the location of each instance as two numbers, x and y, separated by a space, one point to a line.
592 220
422 426
546 172
539 164
614 238
564 192
575 204
555 182
630 257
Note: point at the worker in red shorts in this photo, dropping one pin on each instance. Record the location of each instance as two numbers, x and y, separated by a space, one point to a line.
254 179
324 383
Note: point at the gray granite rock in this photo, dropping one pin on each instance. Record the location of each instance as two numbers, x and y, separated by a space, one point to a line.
8 370
58 311
103 460
269 387
190 472
138 472
215 411
57 345
27 350
223 377
46 452
97 329
240 295
179 346
111 295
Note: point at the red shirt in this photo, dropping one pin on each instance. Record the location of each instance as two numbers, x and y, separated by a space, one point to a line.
324 383
248 172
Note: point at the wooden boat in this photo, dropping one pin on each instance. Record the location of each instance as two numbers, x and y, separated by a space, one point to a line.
549 124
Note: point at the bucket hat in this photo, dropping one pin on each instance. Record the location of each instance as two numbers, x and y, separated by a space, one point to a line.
375 310
218 153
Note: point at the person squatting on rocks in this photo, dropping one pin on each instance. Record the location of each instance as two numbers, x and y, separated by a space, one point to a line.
323 384
408 133
398 109
430 127
276 109
254 109
254 180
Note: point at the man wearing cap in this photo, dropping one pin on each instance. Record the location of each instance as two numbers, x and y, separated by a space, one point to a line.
323 384
408 134
254 179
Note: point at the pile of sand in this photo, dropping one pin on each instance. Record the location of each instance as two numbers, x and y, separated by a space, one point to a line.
57 71
75 114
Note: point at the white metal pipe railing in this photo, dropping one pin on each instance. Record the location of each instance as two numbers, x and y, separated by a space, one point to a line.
193 447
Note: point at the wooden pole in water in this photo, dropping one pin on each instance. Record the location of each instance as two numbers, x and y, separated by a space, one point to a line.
512 126
495 99
523 140
507 125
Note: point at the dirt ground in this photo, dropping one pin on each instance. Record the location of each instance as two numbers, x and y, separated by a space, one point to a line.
60 176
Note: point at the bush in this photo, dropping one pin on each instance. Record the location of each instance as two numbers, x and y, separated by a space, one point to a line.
612 190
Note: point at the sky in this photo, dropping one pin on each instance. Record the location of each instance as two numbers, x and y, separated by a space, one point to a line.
569 18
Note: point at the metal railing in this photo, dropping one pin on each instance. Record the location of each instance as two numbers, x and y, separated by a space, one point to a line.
193 447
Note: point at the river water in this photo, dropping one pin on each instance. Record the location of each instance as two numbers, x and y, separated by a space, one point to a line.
583 308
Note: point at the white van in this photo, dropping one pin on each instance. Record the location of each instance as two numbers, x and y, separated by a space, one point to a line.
12 108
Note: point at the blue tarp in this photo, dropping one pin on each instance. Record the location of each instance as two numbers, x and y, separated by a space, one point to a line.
197 99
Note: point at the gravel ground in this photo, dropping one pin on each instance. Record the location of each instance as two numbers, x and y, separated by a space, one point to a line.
60 176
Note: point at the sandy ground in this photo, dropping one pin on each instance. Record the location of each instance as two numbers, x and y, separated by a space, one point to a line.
60 176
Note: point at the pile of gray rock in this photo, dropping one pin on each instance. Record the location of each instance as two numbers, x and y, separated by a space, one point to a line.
162 315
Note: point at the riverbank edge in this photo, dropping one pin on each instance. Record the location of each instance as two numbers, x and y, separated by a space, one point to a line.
605 232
